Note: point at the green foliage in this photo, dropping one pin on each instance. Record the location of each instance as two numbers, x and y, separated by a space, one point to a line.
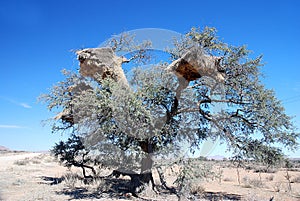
74 153
192 172
260 152
123 125
68 151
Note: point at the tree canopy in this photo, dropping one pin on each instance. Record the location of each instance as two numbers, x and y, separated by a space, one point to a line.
208 89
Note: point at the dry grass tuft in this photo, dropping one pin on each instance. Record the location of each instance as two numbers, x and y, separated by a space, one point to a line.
249 183
72 179
100 185
197 190
18 182
277 186
296 179
22 162
35 160
270 178
264 170
228 179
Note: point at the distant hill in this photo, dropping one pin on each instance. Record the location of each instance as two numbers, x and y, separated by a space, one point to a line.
3 148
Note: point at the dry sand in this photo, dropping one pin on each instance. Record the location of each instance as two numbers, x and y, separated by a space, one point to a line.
36 176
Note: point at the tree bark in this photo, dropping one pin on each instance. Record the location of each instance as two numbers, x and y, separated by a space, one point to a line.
138 180
147 163
163 181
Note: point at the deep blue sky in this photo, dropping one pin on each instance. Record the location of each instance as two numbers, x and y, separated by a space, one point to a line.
36 38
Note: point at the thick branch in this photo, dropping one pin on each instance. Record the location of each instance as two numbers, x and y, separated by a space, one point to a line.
228 101
237 115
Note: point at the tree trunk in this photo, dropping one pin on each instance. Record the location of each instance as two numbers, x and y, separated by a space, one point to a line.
163 181
146 171
138 180
145 176
146 164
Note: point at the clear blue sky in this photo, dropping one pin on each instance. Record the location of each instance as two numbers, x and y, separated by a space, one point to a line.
36 38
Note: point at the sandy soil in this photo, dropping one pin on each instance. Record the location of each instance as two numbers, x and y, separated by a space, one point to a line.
37 176
21 176
250 187
8 159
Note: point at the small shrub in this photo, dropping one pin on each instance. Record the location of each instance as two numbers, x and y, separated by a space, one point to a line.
74 153
71 179
249 168
49 159
256 183
270 178
246 180
294 169
264 170
247 186
35 161
297 165
277 186
101 185
18 182
296 179
227 179
22 162
248 183
197 190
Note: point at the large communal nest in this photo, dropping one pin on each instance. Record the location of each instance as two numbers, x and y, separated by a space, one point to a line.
195 64
100 63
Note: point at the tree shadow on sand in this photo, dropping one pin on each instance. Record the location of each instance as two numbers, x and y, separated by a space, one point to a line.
108 188
112 188
220 196
51 180
79 193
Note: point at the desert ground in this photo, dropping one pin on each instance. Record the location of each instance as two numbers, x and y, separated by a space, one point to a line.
38 176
